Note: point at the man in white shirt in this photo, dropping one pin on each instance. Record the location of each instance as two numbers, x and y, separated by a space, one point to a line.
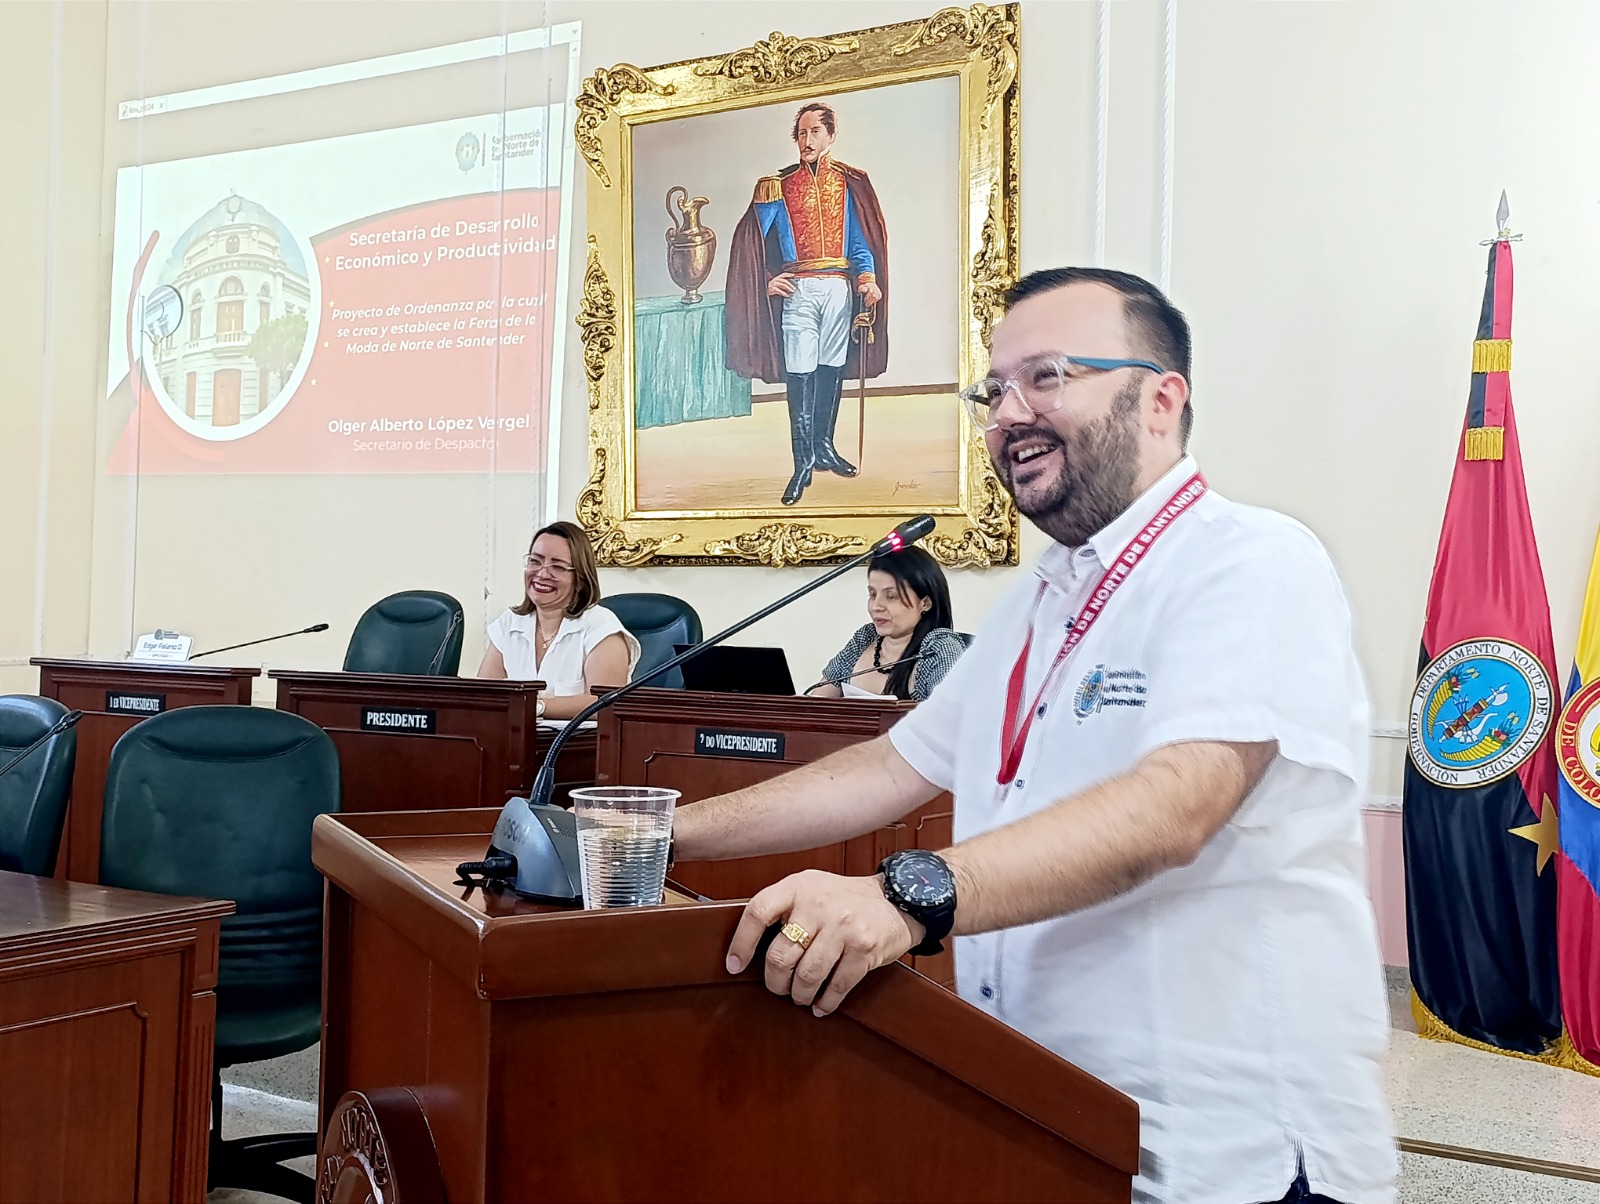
1156 745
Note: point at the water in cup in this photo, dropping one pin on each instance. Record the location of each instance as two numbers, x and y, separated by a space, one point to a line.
623 837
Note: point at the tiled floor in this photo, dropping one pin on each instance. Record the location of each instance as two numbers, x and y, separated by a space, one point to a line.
249 1112
1465 1097
1441 1093
1446 1181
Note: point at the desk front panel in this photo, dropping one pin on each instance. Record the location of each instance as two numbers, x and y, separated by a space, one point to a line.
107 692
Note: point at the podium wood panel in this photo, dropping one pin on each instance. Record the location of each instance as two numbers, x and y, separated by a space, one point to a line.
107 1022
88 686
608 1055
486 745
649 739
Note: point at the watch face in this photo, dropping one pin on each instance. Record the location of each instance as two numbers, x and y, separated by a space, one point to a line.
921 879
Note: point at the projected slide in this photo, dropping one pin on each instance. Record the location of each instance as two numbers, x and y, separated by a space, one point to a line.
379 302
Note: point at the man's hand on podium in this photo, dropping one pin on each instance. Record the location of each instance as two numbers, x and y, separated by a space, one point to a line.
836 931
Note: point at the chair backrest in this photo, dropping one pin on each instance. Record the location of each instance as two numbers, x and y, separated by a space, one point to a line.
33 795
657 621
405 632
218 802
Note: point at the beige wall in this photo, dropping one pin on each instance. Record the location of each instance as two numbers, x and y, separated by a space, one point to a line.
1335 168
52 86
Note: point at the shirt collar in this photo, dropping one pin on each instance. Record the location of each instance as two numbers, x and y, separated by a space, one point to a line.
1063 567
528 624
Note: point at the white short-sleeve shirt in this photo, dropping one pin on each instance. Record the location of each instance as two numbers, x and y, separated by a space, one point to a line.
562 667
1239 999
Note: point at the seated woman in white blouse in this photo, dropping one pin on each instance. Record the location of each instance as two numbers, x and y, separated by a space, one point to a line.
558 633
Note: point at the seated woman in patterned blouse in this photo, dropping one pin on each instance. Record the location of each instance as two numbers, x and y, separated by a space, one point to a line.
908 646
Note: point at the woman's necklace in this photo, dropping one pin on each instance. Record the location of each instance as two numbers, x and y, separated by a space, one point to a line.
877 654
542 642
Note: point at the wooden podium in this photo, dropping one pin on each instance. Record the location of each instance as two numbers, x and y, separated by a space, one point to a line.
113 696
708 744
107 1018
519 1053
409 741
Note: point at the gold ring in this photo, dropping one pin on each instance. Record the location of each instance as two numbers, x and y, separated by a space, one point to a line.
797 934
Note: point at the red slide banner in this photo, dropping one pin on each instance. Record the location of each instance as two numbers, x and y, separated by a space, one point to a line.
431 352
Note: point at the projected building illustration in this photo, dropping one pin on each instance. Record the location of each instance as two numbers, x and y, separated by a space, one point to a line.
245 291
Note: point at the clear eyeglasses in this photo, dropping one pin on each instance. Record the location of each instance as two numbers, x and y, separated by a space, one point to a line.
1040 384
555 568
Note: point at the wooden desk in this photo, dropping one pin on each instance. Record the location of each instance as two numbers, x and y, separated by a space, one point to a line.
653 738
114 696
525 1053
472 742
107 1019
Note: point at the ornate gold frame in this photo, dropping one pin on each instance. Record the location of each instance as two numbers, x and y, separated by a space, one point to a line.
976 44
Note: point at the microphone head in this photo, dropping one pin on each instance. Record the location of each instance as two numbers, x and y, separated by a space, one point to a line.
318 627
907 533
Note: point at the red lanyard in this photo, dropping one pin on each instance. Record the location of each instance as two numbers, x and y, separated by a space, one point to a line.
1014 731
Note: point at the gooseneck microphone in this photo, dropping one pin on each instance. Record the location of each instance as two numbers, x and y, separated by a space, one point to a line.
904 660
66 721
907 532
524 818
433 665
267 640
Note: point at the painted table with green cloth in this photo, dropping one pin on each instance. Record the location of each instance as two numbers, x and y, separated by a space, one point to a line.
679 357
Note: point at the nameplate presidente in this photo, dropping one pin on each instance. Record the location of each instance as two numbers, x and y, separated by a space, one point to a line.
730 742
398 719
120 702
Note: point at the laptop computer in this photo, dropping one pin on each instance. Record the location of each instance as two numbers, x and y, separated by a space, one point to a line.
733 669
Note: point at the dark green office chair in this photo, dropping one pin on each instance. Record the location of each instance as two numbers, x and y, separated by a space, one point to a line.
218 802
658 622
33 793
417 631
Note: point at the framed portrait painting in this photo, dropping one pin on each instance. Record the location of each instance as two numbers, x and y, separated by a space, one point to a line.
796 253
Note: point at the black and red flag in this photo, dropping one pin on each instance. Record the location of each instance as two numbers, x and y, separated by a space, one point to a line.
1481 777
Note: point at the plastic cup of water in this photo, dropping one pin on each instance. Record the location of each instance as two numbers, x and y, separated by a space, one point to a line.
623 836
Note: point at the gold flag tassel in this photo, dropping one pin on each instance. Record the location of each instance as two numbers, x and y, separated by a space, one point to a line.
1486 443
1491 355
1559 1052
1431 1028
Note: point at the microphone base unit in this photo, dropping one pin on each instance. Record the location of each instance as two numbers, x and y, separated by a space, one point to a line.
534 851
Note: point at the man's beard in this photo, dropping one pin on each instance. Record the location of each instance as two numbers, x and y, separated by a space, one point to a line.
1099 473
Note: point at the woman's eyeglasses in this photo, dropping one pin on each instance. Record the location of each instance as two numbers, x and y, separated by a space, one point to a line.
538 564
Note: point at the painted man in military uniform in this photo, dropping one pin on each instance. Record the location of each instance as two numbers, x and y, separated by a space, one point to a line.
809 254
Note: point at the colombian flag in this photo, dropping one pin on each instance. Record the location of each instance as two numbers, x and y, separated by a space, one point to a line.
1481 777
1578 750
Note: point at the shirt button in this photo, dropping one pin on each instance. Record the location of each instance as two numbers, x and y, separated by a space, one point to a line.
986 991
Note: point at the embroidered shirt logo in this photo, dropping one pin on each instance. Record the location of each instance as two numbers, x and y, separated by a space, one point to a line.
1102 687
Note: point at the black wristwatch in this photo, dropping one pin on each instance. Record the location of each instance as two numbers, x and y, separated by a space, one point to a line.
920 884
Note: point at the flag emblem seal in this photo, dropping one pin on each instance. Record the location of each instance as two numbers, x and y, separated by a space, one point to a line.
1480 709
1578 742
